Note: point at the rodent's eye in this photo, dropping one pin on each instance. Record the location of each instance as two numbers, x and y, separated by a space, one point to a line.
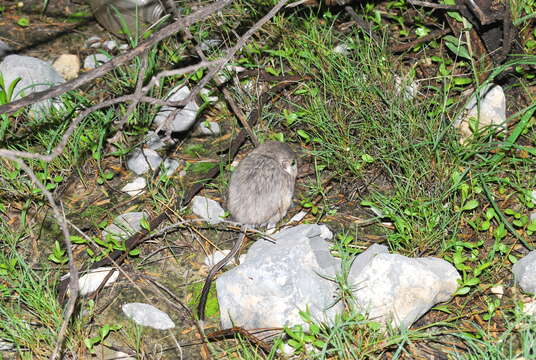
293 162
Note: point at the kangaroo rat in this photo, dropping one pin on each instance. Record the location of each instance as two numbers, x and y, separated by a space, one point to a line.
260 193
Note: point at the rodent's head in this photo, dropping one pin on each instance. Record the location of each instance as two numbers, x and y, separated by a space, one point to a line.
282 153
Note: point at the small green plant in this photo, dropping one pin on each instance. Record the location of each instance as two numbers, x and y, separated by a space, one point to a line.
58 255
104 331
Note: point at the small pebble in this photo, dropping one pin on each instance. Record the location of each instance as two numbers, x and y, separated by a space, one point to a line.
135 187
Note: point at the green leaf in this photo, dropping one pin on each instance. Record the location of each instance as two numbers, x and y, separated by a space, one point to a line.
470 205
367 158
462 291
462 81
145 224
23 21
460 51
472 282
303 135
443 308
134 252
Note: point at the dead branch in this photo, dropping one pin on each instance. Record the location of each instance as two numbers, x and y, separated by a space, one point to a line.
158 36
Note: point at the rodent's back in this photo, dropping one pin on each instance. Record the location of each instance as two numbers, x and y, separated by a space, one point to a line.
260 191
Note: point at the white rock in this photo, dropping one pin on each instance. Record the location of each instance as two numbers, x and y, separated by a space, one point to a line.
170 166
123 47
209 43
91 281
409 91
279 279
153 141
525 272
135 187
207 209
4 49
209 128
6 345
497 290
206 93
36 75
68 66
142 161
148 315
395 289
185 118
95 60
109 45
94 42
342 49
298 217
530 308
492 111
217 256
124 225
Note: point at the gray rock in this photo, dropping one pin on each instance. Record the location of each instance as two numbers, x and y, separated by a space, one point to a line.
94 42
209 128
36 75
142 161
6 345
109 45
525 272
90 282
185 118
148 315
278 280
4 49
364 259
207 209
209 44
491 112
95 60
395 289
408 90
153 141
170 166
125 225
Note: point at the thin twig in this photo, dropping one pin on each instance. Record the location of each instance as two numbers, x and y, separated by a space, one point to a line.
431 36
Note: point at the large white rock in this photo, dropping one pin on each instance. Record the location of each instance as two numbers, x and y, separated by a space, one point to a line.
185 118
525 272
148 315
207 209
36 75
396 289
278 280
491 111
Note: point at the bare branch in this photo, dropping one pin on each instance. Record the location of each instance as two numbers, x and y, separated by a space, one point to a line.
167 31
